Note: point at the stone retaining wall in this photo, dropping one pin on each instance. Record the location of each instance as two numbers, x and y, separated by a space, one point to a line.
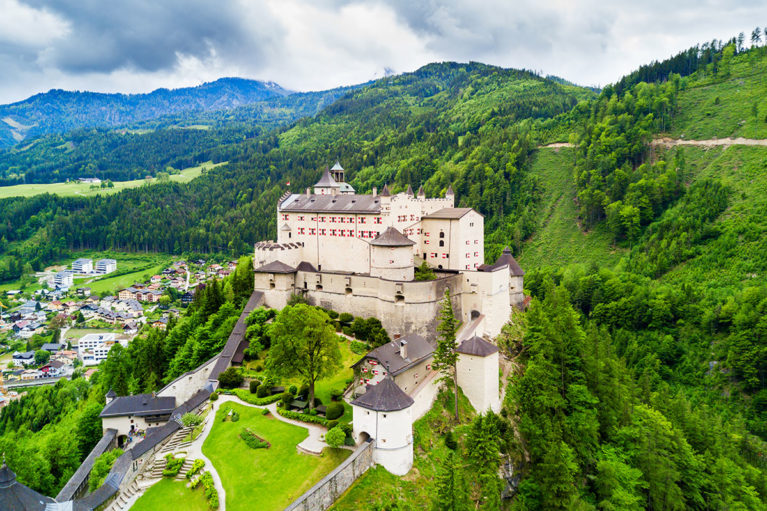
323 494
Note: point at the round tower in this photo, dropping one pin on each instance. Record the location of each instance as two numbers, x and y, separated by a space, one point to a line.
391 256
383 414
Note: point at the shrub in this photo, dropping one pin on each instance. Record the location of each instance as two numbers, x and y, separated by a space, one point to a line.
265 412
293 390
172 465
450 441
190 420
210 490
231 378
304 417
259 368
286 398
345 318
235 416
333 314
313 412
359 348
303 391
255 400
334 410
101 468
254 386
347 428
335 437
346 330
252 440
332 424
336 394
214 396
317 401
262 391
196 467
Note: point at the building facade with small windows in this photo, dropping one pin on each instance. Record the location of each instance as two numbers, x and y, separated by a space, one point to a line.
357 253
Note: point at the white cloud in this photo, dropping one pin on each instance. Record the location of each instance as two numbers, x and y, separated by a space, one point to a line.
139 45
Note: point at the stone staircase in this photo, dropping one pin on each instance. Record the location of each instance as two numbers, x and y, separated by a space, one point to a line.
177 442
184 469
124 498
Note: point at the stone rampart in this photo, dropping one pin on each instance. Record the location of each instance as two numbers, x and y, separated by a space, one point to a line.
323 494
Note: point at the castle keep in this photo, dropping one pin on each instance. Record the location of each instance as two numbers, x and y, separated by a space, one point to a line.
357 253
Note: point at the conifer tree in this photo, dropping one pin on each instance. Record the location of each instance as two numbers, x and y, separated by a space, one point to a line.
445 356
450 494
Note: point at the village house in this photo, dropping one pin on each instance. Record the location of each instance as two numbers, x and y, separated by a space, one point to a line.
82 266
25 358
104 266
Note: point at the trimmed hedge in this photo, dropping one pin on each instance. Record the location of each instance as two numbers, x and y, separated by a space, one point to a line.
172 465
252 440
303 417
334 410
196 467
254 399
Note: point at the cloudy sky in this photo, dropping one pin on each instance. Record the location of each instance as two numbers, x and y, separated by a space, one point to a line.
139 45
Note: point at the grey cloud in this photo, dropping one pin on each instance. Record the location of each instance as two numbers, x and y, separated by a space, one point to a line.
149 35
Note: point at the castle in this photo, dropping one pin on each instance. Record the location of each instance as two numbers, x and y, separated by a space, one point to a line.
357 253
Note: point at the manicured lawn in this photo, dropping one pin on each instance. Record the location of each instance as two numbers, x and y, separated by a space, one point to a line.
170 494
264 479
84 189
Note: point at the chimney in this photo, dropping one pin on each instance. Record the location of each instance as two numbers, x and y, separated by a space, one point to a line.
403 349
375 191
308 192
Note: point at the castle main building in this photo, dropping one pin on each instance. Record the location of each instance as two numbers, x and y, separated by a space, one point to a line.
357 253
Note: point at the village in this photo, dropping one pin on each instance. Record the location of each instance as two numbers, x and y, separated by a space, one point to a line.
64 328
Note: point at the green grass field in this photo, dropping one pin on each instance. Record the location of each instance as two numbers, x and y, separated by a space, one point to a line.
170 494
84 190
264 479
725 108
559 240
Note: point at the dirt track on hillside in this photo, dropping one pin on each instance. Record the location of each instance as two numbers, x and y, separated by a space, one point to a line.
674 142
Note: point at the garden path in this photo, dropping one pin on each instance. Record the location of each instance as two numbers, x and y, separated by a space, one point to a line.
312 444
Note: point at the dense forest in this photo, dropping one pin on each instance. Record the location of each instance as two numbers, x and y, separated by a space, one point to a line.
639 384
145 148
57 111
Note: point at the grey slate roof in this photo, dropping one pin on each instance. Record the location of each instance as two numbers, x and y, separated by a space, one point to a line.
305 266
275 267
421 193
140 404
391 237
477 346
388 355
505 259
449 213
346 203
327 181
409 190
385 192
84 470
52 346
449 190
337 166
14 496
386 396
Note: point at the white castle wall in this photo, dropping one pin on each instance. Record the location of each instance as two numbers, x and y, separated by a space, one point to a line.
393 434
478 378
188 384
392 263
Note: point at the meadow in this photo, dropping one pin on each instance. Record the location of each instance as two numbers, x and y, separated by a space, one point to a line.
85 190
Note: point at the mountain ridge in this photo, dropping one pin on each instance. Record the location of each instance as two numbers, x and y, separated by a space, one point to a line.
58 110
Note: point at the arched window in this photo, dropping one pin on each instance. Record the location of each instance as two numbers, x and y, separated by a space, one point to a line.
441 243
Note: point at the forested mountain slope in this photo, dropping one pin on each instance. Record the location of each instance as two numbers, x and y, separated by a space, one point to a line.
446 123
57 111
145 148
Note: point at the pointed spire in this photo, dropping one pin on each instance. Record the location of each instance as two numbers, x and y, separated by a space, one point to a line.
337 166
421 193
449 192
409 191
385 192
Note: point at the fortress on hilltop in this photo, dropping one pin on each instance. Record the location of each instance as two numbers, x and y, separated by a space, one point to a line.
357 253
